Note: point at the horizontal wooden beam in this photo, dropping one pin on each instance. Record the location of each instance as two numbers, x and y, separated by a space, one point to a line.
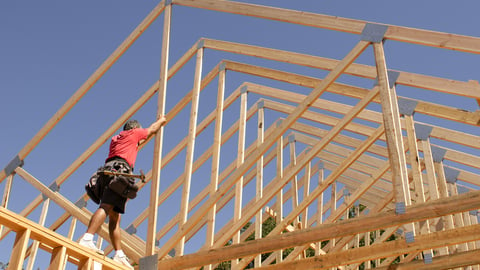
398 33
414 213
386 249
467 89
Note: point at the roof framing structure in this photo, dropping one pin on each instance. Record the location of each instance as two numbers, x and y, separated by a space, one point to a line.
346 183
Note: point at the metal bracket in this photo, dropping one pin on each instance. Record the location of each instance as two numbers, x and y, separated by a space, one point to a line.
200 43
261 104
81 203
321 165
422 131
399 231
291 138
409 237
149 262
400 208
279 122
438 153
473 212
12 165
53 187
168 2
346 192
374 32
427 258
131 229
407 106
222 66
392 78
451 174
244 89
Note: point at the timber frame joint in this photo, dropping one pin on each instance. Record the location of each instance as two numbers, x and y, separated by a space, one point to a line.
374 32
53 187
13 164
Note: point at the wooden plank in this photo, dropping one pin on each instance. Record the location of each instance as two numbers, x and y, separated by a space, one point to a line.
398 33
214 176
384 219
157 152
237 210
259 181
58 259
34 247
468 89
279 195
190 149
19 249
321 177
391 248
393 132
6 195
87 85
461 259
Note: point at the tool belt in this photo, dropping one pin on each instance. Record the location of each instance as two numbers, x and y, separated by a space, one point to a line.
117 175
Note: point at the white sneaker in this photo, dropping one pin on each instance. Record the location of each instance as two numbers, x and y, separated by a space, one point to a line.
91 245
123 260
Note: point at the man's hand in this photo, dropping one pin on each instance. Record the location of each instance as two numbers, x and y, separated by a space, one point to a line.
155 126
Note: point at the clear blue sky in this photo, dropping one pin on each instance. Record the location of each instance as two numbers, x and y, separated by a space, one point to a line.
49 48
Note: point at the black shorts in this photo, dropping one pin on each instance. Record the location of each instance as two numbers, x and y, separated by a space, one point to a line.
109 196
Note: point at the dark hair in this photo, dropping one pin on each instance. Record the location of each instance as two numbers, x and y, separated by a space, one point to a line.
131 124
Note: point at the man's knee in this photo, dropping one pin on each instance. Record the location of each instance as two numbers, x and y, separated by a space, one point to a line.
107 208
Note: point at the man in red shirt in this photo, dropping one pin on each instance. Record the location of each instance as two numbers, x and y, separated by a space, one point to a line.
122 153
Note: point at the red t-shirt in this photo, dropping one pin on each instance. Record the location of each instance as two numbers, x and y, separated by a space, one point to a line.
125 144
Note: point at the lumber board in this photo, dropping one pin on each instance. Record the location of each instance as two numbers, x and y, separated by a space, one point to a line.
467 89
417 212
398 33
157 152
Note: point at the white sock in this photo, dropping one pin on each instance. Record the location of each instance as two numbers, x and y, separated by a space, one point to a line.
88 237
119 253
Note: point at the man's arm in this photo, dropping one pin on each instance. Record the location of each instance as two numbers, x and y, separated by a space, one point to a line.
154 127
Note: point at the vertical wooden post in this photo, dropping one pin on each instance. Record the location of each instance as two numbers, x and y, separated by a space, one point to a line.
19 249
393 134
237 215
333 205
259 180
279 204
416 170
6 195
306 192
85 264
58 259
321 175
41 222
157 151
217 140
437 223
190 148
293 163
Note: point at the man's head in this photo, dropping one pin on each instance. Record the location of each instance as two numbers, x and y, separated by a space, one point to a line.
131 124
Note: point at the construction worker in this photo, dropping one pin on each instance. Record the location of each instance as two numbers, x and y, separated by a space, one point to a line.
123 152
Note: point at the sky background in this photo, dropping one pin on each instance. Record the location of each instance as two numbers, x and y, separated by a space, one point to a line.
48 49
